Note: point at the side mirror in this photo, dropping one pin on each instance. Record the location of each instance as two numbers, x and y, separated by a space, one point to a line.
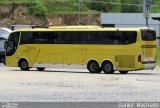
158 37
5 45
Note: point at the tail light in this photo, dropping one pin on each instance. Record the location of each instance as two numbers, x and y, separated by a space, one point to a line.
139 58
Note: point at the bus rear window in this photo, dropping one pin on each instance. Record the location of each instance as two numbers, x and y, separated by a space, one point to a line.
148 35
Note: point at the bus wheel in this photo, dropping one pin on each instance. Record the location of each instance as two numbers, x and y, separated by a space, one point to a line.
23 64
40 69
93 67
107 67
123 72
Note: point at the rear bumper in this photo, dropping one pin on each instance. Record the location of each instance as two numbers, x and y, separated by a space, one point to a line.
149 66
149 63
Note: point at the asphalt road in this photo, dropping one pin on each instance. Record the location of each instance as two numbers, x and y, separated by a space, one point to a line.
61 85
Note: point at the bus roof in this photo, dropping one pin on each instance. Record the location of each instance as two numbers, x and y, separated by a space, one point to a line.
82 28
74 27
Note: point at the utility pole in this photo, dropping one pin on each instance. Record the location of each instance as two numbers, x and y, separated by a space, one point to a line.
78 6
146 10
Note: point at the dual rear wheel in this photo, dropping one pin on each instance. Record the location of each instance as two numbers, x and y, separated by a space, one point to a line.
107 67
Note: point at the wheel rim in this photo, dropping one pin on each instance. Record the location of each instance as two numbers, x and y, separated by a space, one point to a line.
24 65
93 67
107 67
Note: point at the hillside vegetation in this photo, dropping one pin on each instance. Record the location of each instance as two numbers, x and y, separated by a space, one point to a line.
65 11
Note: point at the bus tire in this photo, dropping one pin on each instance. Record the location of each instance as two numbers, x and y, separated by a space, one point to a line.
23 64
123 72
93 67
107 67
40 69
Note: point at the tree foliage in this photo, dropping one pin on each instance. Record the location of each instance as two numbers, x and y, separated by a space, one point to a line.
131 6
41 8
103 5
37 9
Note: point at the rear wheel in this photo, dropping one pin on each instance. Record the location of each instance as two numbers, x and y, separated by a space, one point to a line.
123 72
40 69
93 67
23 64
107 67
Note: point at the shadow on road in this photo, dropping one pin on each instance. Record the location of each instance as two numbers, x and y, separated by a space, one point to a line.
85 72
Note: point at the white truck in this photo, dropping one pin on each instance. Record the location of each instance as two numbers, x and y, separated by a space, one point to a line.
4 34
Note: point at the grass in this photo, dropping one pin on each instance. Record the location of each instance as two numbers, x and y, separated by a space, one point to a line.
158 56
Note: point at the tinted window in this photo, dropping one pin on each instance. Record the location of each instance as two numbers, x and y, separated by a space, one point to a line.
79 37
105 37
71 37
41 38
14 37
57 37
13 41
88 38
129 37
117 37
26 37
148 35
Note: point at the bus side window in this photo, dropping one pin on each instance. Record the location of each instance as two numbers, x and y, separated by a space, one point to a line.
71 37
39 38
83 37
92 38
130 37
50 38
35 38
99 37
117 37
75 38
68 36
26 37
58 37
104 37
88 37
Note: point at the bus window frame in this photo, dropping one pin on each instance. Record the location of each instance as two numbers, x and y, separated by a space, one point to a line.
60 37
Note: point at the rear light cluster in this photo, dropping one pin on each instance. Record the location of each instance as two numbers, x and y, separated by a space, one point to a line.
139 58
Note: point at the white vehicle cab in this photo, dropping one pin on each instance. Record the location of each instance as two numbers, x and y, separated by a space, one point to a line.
4 34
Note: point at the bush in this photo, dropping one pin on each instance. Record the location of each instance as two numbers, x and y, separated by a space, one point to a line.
37 9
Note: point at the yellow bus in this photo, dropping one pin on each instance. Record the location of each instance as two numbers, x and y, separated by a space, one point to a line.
83 47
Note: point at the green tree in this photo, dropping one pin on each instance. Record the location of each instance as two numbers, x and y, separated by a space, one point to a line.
154 8
37 9
103 5
131 6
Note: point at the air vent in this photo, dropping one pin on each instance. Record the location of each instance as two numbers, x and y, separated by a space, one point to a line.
126 61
